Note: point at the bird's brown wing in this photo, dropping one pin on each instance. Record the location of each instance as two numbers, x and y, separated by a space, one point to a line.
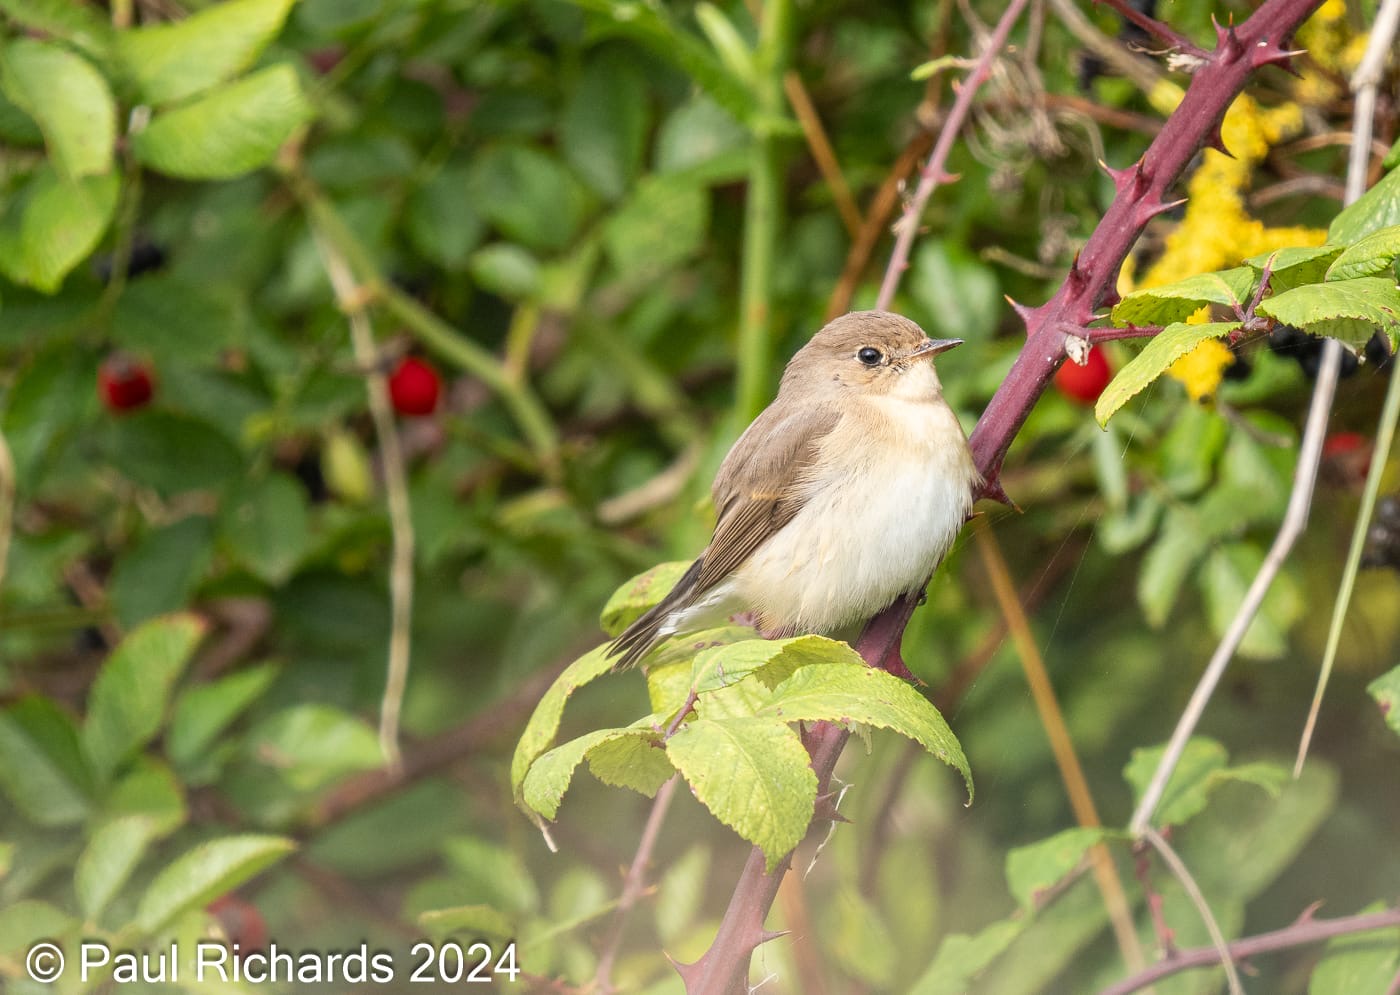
759 486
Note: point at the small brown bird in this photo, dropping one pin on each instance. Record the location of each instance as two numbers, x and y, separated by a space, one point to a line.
844 494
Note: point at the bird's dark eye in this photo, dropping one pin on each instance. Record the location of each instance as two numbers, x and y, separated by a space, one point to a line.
870 356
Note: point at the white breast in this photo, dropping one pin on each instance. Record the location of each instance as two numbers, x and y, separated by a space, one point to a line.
873 528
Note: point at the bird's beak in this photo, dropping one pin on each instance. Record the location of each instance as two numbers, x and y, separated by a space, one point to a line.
929 348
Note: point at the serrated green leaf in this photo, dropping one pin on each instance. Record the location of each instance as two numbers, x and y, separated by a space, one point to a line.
1165 348
41 765
1175 302
1034 869
1350 310
202 713
54 226
150 790
312 745
529 196
68 98
544 722
229 131
753 774
107 861
1225 577
172 453
157 572
1377 208
549 776
1373 255
632 762
853 692
774 660
1386 690
602 128
632 600
476 921
178 59
1295 265
441 219
859 938
127 705
266 526
206 872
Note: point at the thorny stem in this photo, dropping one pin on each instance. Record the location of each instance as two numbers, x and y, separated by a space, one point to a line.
1305 931
1193 892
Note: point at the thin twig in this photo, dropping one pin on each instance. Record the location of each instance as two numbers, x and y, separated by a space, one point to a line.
935 172
635 882
1305 931
1081 800
1365 83
822 152
1144 74
352 302
1193 892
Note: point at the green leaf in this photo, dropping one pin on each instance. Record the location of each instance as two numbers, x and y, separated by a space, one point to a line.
1350 310
1373 255
550 775
1165 348
661 225
859 938
544 722
266 525
78 23
229 131
728 44
1386 690
1226 576
202 713
1188 790
54 225
632 762
1377 208
476 921
507 270
173 453
654 27
1359 964
126 707
441 219
156 574
312 745
181 321
698 136
1189 451
70 101
206 872
962 957
107 861
775 660
1178 548
632 600
1175 302
149 790
1031 871
602 128
1295 265
753 774
529 196
175 60
41 765
852 692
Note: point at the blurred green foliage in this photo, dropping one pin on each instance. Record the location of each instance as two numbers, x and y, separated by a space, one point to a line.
547 200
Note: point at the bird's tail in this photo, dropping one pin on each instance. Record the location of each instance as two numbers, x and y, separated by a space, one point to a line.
639 638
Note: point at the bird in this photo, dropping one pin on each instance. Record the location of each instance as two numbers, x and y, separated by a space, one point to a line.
843 495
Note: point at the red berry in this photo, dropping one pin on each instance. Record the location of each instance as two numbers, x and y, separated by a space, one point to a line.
414 387
1084 383
124 383
1344 444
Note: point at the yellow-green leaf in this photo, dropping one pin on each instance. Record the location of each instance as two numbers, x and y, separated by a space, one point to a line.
68 98
1373 255
1166 347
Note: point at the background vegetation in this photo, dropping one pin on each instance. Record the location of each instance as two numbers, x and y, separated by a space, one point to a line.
605 226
